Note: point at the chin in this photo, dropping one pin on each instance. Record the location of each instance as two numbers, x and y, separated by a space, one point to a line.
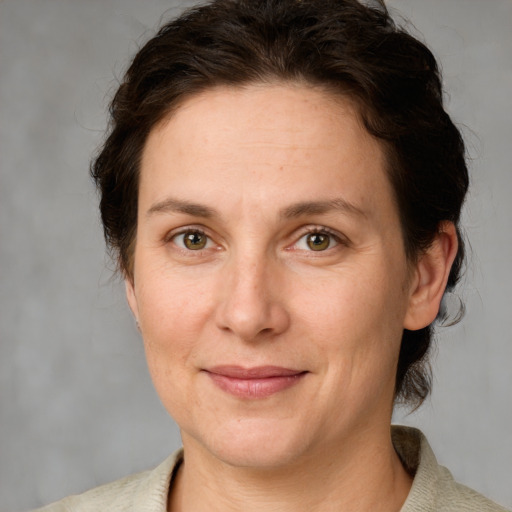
256 444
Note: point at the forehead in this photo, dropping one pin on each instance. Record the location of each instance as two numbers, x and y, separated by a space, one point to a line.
287 114
263 143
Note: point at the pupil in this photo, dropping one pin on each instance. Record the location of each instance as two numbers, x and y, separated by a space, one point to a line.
195 240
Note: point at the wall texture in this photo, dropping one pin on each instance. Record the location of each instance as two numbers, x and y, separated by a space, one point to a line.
76 404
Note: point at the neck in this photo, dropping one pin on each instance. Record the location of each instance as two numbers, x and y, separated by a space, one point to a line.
362 475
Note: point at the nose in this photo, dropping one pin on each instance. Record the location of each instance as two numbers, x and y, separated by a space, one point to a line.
252 301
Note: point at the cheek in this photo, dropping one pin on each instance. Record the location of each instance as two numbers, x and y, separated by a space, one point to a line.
354 317
171 323
173 313
168 298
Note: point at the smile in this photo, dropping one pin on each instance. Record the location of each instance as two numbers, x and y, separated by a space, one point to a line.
254 383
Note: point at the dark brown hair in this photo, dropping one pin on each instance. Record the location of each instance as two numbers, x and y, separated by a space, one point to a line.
347 47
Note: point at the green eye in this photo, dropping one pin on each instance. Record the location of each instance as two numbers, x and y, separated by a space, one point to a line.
318 241
193 240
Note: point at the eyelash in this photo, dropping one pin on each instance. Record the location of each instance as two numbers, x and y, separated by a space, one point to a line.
321 230
171 237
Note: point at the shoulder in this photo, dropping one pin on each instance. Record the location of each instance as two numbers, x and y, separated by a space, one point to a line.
112 496
455 496
433 488
143 492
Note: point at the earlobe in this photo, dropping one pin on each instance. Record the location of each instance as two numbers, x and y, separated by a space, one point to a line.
131 298
431 275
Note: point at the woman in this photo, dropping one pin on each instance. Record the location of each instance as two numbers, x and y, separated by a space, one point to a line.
283 189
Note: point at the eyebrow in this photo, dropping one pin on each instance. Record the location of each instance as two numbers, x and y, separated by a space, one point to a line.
172 205
320 207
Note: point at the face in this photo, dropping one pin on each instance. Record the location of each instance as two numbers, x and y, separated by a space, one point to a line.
270 279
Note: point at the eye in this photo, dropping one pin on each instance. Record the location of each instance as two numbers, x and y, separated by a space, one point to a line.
317 241
192 240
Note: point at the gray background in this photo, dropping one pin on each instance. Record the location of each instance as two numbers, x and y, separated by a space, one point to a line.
77 406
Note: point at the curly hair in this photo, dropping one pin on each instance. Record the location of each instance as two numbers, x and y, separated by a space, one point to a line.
352 49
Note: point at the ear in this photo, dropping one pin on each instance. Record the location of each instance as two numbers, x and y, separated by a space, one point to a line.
131 298
430 277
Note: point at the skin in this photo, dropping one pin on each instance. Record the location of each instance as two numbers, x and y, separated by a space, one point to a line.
262 167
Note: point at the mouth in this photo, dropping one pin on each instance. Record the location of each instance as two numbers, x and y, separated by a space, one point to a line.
254 383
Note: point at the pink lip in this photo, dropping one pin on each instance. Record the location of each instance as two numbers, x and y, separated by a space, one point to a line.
252 383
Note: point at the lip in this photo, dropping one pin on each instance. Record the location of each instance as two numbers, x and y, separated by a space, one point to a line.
254 383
